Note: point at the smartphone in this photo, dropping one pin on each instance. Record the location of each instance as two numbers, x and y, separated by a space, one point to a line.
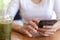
46 22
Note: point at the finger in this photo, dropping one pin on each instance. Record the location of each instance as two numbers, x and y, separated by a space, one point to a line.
33 24
35 20
42 29
27 33
47 27
43 34
51 30
50 33
31 29
47 32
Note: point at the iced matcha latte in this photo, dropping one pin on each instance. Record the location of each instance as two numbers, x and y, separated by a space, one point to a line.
5 28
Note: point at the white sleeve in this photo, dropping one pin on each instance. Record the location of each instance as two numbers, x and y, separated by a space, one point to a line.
57 8
13 7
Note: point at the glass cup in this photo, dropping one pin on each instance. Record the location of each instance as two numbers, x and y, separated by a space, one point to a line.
5 27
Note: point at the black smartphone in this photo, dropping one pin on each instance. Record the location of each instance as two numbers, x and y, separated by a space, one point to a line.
46 22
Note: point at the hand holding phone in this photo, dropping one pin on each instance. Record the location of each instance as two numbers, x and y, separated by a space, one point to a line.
46 22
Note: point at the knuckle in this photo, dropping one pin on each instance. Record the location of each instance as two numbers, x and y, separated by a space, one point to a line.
28 26
46 35
30 22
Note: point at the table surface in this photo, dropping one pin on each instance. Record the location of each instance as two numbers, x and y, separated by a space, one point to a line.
18 36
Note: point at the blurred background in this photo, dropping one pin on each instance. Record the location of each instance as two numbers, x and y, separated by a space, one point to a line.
4 4
3 7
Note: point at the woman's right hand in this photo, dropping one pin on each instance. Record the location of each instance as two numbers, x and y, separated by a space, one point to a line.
30 26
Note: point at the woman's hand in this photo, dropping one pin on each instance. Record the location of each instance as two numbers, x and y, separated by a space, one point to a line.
30 26
49 30
45 31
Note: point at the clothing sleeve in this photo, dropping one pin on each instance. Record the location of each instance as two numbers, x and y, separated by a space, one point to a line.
57 8
13 8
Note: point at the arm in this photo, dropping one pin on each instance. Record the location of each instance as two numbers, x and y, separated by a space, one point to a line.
57 11
13 8
16 27
57 8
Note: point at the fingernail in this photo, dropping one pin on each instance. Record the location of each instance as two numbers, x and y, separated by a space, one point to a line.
51 33
30 35
36 27
36 31
43 26
46 35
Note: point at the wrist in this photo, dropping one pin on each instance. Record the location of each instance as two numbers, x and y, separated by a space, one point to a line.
16 27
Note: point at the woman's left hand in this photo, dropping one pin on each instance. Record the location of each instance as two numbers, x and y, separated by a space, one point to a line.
48 30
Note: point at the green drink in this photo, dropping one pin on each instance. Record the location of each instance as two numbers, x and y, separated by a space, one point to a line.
5 22
5 28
